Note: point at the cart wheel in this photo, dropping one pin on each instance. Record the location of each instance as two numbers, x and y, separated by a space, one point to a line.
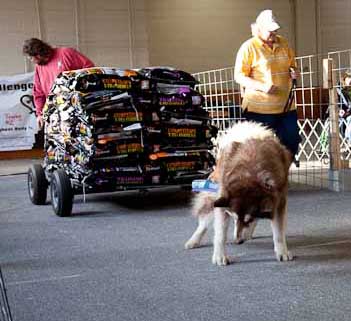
37 184
61 193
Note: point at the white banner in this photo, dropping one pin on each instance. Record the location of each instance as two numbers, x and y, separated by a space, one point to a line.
17 113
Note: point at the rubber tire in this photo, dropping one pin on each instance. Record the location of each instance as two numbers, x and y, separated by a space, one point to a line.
61 193
37 184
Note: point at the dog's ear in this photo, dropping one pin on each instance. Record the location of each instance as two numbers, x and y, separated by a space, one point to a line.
265 179
221 202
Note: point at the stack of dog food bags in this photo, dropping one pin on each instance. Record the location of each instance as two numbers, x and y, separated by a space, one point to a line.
116 128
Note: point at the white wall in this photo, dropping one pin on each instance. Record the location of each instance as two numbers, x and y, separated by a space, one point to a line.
335 25
17 22
307 39
110 32
193 35
199 35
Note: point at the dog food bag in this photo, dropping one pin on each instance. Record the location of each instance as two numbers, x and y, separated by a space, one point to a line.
167 75
112 127
99 78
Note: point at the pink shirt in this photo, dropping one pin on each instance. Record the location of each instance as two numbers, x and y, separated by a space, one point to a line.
63 59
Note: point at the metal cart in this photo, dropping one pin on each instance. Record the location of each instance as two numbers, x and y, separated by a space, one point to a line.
110 130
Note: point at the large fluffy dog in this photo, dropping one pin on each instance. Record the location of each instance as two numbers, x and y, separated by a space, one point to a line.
252 172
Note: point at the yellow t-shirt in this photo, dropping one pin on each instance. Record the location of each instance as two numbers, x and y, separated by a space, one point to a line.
258 61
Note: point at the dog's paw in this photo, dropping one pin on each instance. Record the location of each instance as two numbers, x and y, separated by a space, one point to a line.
284 256
239 241
247 234
221 260
191 244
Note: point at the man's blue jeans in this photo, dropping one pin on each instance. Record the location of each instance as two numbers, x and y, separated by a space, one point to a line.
284 125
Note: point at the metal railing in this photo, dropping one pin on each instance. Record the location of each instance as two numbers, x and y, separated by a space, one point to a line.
223 102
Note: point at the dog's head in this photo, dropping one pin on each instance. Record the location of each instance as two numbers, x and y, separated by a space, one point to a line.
254 178
256 196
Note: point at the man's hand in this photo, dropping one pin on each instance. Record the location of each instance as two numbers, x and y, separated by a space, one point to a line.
294 74
269 88
253 84
40 122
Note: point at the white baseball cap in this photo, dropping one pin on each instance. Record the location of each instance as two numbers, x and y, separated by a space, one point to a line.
267 21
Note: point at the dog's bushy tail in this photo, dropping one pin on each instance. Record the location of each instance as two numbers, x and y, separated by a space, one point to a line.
202 204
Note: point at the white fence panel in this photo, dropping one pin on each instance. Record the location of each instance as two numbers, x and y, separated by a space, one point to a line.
223 102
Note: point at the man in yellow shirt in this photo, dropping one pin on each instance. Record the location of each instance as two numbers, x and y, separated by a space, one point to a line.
265 66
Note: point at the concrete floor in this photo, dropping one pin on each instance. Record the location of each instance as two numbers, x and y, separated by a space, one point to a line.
122 257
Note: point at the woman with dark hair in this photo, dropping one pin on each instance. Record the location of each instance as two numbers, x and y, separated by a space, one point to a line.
35 47
49 62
